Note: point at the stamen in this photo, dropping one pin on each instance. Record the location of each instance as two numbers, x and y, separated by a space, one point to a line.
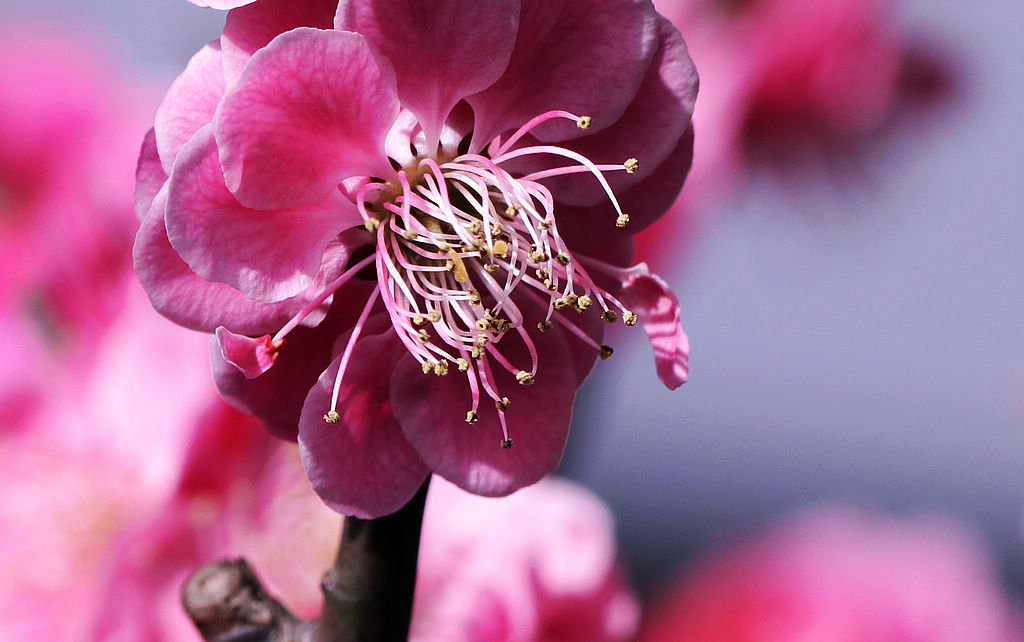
332 415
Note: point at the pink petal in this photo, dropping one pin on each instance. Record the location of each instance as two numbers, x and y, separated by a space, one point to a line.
658 310
252 356
189 103
442 51
149 176
250 28
276 397
267 255
221 4
311 108
648 131
362 465
432 413
587 57
587 229
189 300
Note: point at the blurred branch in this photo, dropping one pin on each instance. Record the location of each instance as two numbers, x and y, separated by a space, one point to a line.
368 592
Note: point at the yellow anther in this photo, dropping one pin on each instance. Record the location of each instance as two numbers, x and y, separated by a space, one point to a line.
538 257
371 224
332 417
506 443
500 248
629 317
496 229
510 211
475 352
423 337
427 367
549 284
441 368
632 165
474 297
560 303
461 274
606 351
410 235
541 273
622 220
482 324
449 265
583 122
475 227
545 224
611 316
544 326
472 417
502 404
563 258
434 316
463 364
499 326
481 340
583 303
417 319
571 299
492 267
524 377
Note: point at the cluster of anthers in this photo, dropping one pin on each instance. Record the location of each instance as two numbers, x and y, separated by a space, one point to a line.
456 235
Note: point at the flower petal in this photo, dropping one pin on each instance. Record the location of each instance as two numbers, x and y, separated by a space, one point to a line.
189 103
585 57
220 4
658 310
362 465
249 28
252 356
149 175
442 51
182 296
432 413
267 255
276 397
310 109
648 131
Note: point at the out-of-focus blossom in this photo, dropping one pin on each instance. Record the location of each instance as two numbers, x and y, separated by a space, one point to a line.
789 84
839 575
355 199
93 457
539 566
69 126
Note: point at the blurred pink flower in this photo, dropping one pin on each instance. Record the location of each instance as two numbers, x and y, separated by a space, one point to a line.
840 575
539 566
69 126
350 206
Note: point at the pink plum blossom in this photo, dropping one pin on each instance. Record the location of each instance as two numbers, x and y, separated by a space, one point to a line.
841 575
407 227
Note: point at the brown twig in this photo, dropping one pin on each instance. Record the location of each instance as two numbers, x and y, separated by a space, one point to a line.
368 592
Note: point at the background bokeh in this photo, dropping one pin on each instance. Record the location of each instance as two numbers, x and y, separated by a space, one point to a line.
856 320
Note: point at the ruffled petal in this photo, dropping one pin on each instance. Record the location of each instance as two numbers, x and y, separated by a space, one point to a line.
658 310
182 296
432 413
648 131
587 57
442 51
276 397
362 465
149 175
310 109
267 255
587 229
252 27
252 356
189 103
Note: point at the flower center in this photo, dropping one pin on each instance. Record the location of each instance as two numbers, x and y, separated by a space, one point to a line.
461 246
